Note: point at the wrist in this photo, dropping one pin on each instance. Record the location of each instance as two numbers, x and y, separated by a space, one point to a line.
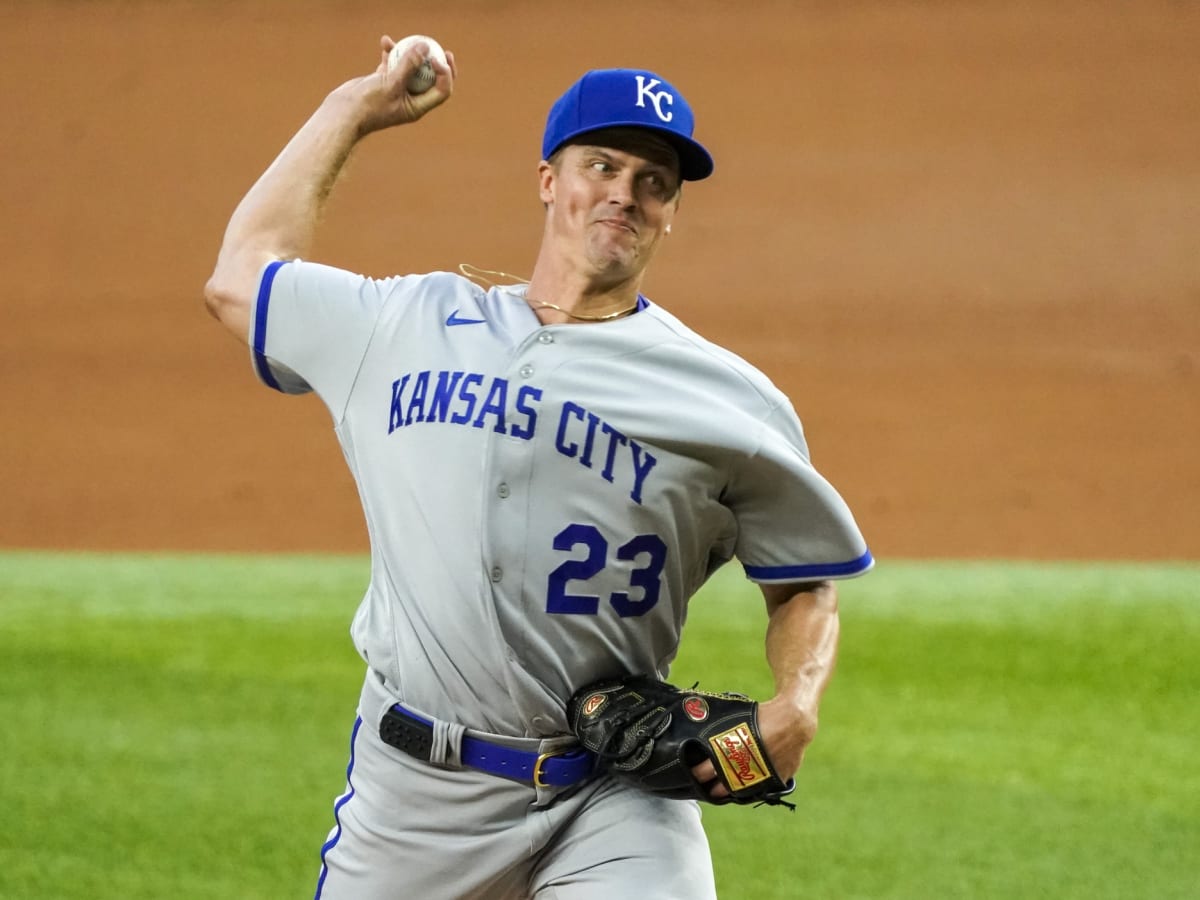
794 715
350 109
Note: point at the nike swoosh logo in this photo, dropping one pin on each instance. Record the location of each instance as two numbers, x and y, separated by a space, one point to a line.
453 319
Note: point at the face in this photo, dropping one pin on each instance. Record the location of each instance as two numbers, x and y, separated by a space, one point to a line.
610 199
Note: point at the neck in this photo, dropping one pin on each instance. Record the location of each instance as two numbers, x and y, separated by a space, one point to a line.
577 296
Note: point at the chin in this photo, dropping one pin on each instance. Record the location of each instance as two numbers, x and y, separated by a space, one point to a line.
615 270
623 261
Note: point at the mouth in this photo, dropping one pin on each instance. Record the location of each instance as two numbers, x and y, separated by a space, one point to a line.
618 224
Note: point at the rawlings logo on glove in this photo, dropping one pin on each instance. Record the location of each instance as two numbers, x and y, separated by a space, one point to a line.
650 733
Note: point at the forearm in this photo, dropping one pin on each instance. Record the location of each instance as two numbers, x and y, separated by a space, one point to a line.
278 217
801 649
802 642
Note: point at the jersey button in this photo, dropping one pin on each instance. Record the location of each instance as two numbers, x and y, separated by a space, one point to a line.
545 338
497 573
502 491
526 371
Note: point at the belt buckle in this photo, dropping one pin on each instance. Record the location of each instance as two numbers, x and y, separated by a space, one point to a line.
537 767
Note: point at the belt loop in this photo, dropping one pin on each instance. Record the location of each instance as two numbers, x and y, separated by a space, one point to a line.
447 743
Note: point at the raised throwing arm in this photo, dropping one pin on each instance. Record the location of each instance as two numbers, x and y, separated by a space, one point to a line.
277 219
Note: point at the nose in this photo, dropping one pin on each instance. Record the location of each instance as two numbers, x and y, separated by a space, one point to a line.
621 191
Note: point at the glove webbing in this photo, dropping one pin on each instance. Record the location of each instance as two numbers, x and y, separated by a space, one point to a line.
626 725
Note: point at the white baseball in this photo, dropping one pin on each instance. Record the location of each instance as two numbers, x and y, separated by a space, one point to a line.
422 79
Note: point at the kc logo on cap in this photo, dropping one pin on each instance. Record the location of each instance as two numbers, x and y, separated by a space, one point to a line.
628 98
645 90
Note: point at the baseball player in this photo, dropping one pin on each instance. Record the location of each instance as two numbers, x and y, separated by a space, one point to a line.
549 471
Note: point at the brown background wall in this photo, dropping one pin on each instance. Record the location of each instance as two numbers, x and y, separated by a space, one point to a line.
965 238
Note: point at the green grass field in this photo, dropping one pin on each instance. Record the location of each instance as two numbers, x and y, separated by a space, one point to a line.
178 727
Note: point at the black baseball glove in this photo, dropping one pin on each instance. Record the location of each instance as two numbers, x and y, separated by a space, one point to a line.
650 733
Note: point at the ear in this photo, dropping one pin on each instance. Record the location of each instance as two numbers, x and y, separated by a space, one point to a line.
671 211
546 180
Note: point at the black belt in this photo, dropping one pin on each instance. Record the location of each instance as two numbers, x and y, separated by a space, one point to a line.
406 730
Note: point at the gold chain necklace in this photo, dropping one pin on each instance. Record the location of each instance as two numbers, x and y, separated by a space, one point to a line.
477 274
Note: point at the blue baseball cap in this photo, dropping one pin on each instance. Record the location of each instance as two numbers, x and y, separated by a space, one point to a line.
627 98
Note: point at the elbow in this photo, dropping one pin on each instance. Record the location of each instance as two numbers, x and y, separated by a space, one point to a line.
214 297
821 595
229 296
827 596
223 303
228 307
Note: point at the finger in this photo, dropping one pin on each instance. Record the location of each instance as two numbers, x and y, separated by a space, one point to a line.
443 85
385 48
704 772
405 67
453 64
412 58
444 73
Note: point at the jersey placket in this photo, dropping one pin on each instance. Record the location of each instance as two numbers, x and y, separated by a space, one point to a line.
508 555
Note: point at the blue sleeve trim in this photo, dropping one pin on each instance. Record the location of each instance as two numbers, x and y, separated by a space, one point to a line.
810 572
259 342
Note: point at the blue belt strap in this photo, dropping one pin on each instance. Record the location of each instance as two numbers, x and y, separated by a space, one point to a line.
539 769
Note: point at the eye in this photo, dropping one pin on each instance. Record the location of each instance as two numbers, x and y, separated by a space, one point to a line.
601 165
658 183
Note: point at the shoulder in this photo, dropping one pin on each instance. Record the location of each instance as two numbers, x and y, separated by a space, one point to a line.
702 356
419 283
397 297
430 286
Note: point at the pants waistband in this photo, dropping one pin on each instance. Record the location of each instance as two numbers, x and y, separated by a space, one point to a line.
417 736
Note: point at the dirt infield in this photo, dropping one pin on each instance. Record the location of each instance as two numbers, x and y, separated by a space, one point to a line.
965 238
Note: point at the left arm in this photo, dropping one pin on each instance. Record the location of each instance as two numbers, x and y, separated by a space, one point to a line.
802 641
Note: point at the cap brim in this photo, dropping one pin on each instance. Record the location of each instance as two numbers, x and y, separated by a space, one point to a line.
695 163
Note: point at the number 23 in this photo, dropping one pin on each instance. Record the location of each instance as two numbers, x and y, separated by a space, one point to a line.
647 578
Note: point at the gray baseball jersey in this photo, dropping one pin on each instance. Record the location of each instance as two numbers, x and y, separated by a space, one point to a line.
541 500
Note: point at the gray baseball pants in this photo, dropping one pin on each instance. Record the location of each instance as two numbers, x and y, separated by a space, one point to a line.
406 828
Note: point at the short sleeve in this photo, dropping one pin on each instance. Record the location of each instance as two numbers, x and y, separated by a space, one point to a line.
792 524
310 328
